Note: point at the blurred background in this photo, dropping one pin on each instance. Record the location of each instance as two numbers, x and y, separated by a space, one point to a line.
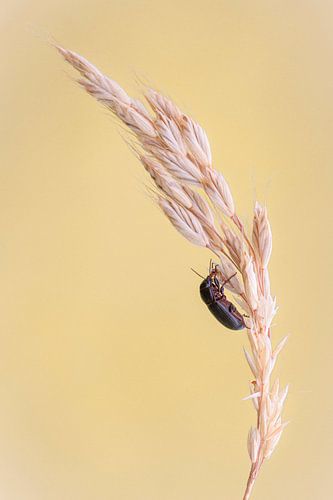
115 381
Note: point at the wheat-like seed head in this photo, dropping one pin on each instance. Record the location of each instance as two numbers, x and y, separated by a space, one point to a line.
198 202
262 235
184 221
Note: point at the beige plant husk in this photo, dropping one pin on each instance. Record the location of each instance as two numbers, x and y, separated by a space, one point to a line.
198 201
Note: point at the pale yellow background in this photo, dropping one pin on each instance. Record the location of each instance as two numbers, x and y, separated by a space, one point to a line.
115 381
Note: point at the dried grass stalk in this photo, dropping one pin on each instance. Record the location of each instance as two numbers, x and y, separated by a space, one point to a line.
198 201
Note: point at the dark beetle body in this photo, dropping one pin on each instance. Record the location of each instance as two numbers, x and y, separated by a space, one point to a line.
212 293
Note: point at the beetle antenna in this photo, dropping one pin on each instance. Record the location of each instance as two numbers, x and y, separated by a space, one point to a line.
197 273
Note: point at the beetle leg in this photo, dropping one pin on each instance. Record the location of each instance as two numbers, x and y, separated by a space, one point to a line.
226 281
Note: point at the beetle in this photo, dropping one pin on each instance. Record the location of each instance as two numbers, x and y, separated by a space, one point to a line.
212 294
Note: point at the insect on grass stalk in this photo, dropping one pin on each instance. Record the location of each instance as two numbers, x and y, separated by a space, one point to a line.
198 202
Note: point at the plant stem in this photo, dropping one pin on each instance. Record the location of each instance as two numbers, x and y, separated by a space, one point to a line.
254 471
250 483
